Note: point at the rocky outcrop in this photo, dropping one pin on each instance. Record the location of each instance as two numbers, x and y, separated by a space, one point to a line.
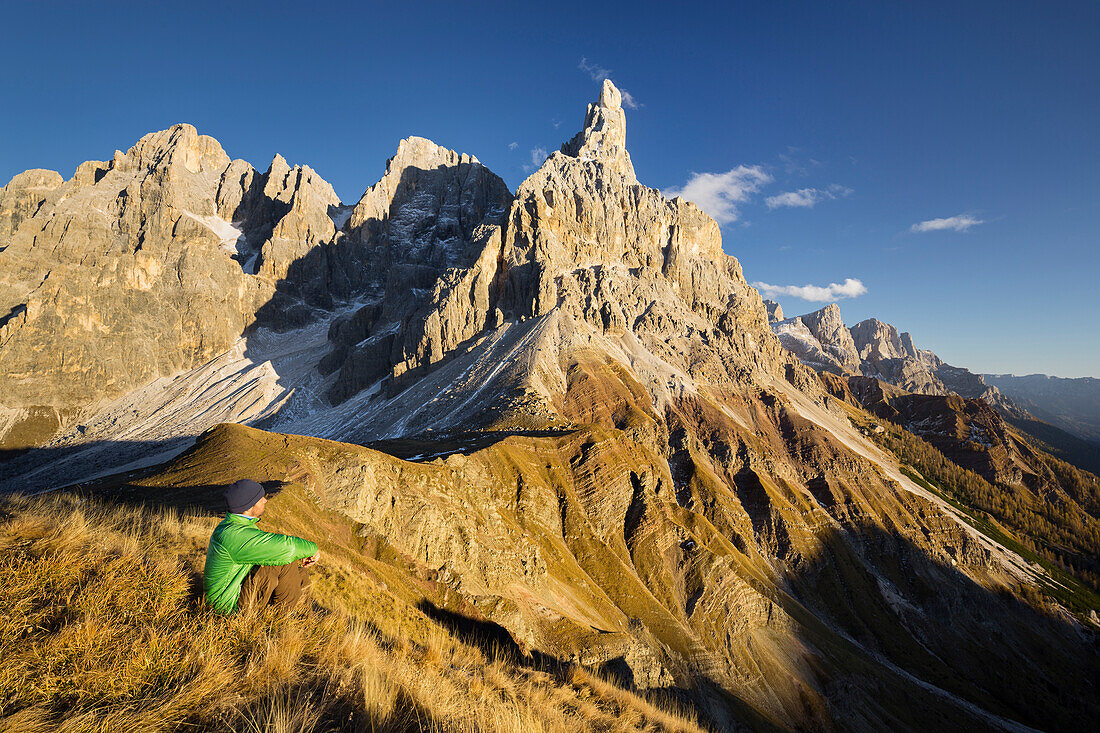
604 134
820 340
144 265
878 341
581 240
775 311
585 240
23 196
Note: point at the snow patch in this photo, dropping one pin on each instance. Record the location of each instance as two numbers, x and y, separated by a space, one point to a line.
232 238
340 215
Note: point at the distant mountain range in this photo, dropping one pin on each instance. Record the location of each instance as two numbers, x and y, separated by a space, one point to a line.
1062 414
1071 404
873 348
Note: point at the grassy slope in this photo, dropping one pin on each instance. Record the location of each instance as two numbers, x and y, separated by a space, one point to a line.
101 629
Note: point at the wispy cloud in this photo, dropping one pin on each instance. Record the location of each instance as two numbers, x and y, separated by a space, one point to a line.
794 164
718 194
599 73
959 223
513 145
806 198
538 157
850 288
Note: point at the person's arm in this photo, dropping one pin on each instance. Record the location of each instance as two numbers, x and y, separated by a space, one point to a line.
268 548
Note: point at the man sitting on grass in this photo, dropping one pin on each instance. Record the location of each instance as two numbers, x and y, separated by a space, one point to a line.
244 561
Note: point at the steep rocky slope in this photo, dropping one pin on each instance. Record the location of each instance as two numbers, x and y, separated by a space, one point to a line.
579 546
676 493
1051 505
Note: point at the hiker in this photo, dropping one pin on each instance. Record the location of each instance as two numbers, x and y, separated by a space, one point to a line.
246 562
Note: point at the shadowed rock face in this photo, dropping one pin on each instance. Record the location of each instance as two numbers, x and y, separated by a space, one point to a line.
703 510
428 233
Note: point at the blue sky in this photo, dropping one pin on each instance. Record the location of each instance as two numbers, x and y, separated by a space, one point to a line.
983 115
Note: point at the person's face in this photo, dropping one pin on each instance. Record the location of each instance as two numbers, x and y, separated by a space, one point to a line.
257 508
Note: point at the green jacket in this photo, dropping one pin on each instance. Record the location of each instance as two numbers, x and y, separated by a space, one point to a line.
236 545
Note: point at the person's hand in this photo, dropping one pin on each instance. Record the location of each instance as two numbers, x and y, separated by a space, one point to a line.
311 560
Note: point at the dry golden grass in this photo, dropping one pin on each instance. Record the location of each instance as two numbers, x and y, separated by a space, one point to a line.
101 629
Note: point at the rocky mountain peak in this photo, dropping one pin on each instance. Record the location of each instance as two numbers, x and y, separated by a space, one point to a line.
278 168
819 339
180 145
827 317
425 181
23 195
828 327
603 137
422 153
877 340
775 311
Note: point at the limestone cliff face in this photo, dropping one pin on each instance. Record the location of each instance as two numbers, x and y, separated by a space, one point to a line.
142 266
775 311
23 195
604 134
583 240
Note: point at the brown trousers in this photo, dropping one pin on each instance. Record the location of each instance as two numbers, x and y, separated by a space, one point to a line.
278 585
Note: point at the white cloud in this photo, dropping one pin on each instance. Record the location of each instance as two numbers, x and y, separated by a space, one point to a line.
538 157
513 145
599 73
806 197
959 223
803 198
850 288
719 193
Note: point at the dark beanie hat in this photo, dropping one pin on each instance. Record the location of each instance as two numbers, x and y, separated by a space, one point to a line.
242 495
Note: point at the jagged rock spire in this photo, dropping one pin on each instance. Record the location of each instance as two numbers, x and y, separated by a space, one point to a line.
604 135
